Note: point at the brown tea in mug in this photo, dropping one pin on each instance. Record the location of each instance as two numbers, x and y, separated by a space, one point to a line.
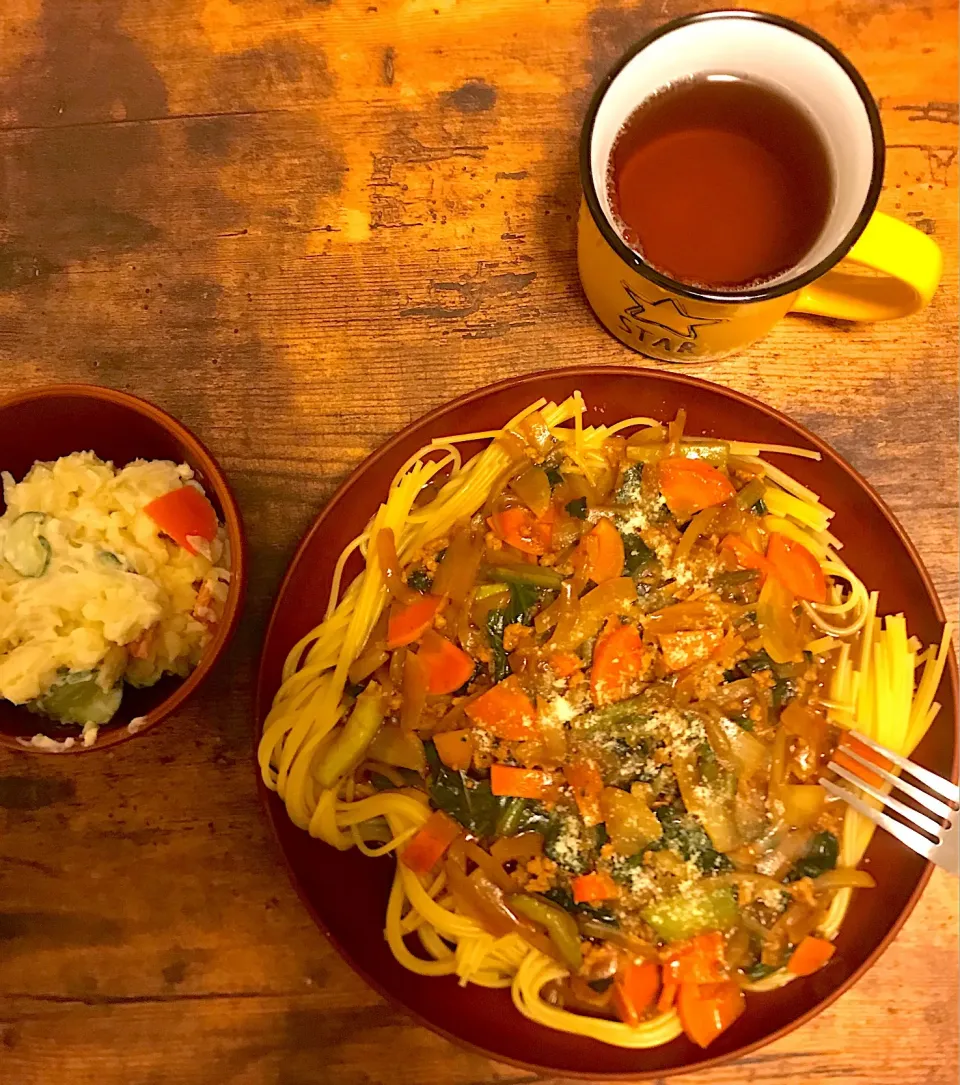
720 182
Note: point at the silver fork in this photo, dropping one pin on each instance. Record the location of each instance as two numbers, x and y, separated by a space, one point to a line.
937 839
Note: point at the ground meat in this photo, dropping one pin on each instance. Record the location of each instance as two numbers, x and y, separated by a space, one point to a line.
542 874
514 634
763 679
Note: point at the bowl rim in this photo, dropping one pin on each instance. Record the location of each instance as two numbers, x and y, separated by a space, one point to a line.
273 809
199 456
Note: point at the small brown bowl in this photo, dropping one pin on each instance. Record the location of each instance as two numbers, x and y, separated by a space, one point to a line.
47 423
485 1020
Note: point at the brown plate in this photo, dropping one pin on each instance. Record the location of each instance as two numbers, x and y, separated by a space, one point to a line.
47 423
485 1020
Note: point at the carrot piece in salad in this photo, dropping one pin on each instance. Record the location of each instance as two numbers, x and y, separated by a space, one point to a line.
812 954
429 843
520 783
600 554
519 527
688 486
448 667
797 568
593 887
409 622
586 783
635 990
618 661
505 711
707 1010
184 514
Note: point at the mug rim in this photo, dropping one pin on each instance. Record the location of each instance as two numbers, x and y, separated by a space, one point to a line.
761 293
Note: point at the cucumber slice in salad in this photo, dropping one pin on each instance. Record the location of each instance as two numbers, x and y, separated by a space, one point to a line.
24 548
78 698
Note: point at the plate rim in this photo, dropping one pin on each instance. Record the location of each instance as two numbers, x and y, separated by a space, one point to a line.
272 806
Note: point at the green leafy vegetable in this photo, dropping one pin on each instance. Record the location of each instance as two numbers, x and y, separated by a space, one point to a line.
561 894
420 580
629 490
760 971
783 692
577 508
684 835
523 600
568 843
466 800
637 555
821 856
601 985
553 477
759 662
499 665
536 818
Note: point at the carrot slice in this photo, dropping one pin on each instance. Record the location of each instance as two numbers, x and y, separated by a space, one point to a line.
618 661
408 623
586 783
635 990
448 666
505 711
590 887
691 485
522 530
184 514
810 956
697 960
565 664
796 568
667 996
747 557
455 749
433 838
600 555
707 1010
520 783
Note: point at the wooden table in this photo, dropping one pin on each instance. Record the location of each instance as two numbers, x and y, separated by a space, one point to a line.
297 226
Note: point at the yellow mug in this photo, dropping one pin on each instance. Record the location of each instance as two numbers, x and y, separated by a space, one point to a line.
890 269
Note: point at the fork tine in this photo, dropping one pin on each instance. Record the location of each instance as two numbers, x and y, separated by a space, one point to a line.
934 805
945 788
920 820
920 844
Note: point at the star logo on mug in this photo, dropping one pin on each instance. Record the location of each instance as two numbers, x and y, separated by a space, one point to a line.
666 314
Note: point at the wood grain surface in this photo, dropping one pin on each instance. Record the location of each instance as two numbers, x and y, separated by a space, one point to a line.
297 226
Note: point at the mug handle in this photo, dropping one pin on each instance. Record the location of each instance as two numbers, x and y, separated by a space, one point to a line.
909 266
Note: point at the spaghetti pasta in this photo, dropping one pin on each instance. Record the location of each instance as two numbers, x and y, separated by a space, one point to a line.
656 647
